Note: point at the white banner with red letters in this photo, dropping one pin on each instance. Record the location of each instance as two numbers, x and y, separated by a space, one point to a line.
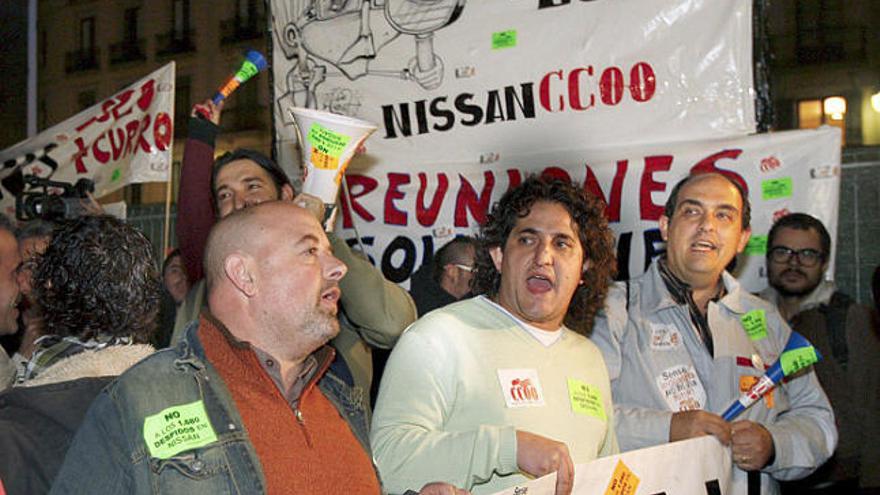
405 209
124 139
699 466
471 80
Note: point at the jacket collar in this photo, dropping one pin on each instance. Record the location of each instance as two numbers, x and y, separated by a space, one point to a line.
655 296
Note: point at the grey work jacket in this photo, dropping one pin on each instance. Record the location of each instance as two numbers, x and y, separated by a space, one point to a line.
658 365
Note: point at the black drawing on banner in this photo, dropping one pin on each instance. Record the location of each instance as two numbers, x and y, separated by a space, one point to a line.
323 39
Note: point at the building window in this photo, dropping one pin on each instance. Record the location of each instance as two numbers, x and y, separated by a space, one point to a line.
180 13
815 112
131 25
247 12
87 35
182 104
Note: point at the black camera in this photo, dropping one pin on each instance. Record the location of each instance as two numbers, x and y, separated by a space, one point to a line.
38 202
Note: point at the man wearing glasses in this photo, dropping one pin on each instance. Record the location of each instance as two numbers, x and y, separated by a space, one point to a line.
798 254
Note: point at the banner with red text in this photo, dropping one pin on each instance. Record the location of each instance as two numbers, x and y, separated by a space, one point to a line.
472 81
698 466
125 139
404 210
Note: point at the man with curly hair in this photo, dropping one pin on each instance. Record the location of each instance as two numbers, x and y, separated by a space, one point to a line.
98 285
487 391
684 340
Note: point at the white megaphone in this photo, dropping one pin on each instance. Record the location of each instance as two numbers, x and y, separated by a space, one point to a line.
328 141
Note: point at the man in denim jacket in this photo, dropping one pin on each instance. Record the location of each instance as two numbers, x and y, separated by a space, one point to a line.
251 400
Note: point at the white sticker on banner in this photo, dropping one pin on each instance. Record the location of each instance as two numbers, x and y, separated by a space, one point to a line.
521 387
682 389
664 337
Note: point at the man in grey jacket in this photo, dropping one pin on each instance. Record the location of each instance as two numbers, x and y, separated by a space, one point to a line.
684 340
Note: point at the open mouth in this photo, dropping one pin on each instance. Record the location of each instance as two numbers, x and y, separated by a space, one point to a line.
331 295
703 246
538 283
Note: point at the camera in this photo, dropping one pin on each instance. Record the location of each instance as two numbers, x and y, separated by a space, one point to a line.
38 202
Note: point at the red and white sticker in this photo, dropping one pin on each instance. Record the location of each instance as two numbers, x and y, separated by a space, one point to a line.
682 388
521 387
664 337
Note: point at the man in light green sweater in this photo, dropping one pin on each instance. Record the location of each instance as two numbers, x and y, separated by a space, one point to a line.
488 391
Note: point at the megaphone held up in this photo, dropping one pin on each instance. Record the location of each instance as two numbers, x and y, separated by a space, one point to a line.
327 143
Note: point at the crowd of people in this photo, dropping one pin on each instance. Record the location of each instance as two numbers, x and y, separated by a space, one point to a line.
249 360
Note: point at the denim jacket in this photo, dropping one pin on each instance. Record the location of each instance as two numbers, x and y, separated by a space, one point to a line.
109 454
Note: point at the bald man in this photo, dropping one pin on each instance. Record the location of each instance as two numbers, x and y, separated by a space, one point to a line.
249 401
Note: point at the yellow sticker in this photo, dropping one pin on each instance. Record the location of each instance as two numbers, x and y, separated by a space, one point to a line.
323 160
178 428
795 360
328 141
586 399
755 324
623 481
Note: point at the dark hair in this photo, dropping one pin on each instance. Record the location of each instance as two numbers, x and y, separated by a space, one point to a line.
275 172
7 225
597 241
98 276
173 254
454 251
34 228
801 221
746 213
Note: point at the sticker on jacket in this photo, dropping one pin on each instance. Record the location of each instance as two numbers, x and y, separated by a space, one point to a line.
755 324
521 387
586 399
178 428
664 337
682 388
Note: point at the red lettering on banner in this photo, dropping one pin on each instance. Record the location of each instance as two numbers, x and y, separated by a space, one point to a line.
707 165
99 154
123 98
427 216
105 114
574 89
642 82
647 209
393 216
82 152
131 132
467 200
611 86
163 131
556 173
514 178
544 92
114 148
612 204
358 185
148 91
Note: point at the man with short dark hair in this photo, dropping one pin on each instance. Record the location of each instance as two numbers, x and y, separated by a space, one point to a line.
487 391
373 311
798 255
447 277
679 352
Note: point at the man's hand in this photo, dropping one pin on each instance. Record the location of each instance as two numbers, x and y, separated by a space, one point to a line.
311 203
690 424
537 456
752 445
208 110
438 488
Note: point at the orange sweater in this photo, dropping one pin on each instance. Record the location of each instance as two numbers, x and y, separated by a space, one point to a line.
317 453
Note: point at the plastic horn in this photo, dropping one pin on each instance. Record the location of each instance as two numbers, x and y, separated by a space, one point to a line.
327 142
253 64
797 355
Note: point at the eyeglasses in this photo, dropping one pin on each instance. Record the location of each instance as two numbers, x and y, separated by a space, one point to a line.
466 268
805 257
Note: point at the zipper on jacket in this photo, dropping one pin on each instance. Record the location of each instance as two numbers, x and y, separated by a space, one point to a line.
302 423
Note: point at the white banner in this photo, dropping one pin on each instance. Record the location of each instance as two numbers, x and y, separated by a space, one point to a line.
405 209
698 466
468 80
125 139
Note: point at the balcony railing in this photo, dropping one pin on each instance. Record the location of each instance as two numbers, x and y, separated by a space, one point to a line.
128 51
175 42
81 60
820 46
240 29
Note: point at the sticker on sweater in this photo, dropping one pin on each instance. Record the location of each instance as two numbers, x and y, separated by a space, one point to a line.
521 387
746 382
178 428
664 337
682 388
586 399
623 481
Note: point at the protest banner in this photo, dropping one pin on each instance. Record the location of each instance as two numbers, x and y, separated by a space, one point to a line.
125 139
406 209
699 466
460 80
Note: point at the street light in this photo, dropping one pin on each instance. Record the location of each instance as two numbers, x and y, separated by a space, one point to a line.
835 107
